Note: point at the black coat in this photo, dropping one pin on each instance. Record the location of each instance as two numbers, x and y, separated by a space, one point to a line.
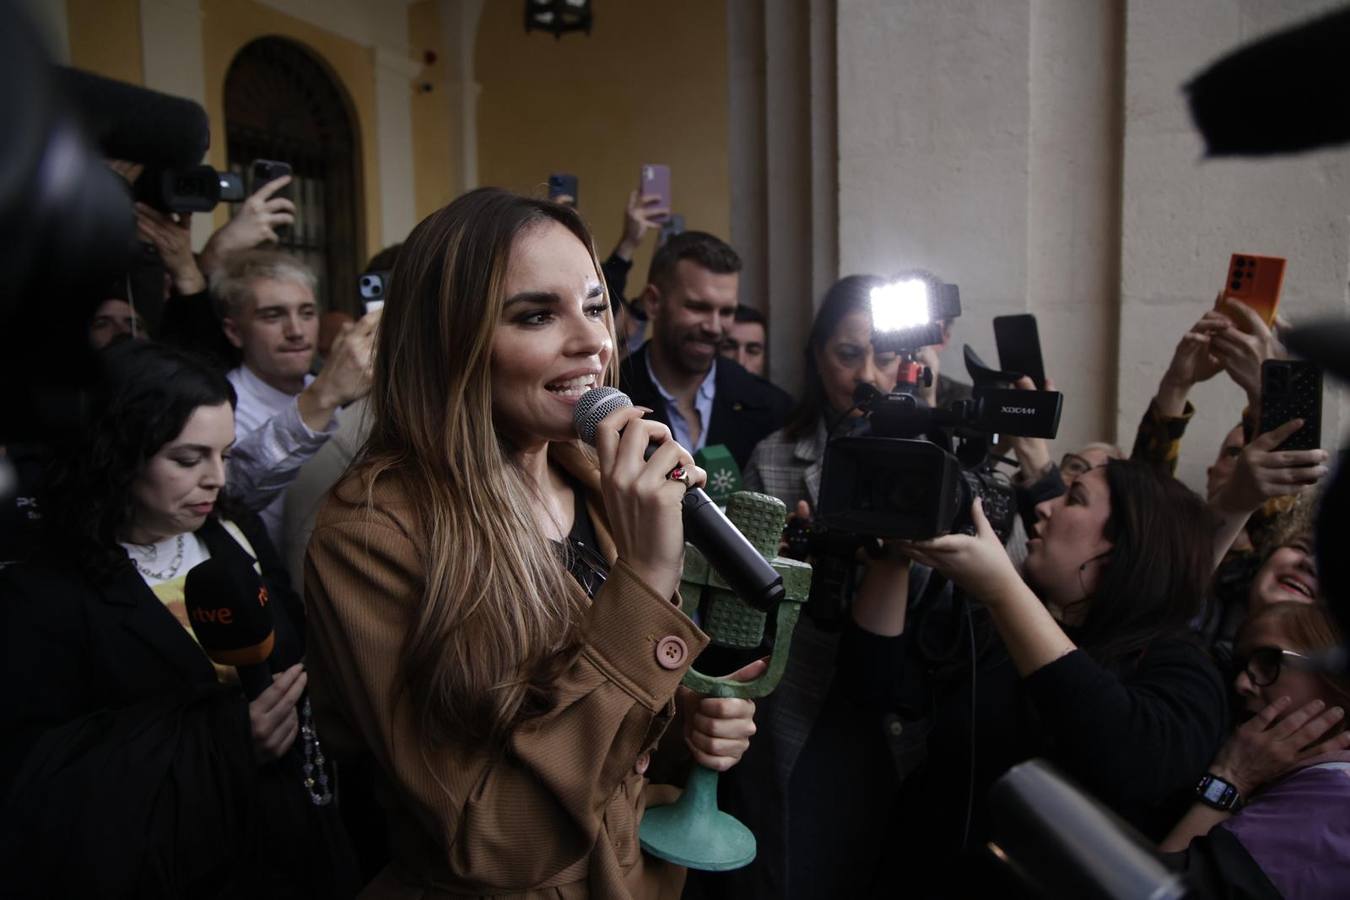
746 408
120 748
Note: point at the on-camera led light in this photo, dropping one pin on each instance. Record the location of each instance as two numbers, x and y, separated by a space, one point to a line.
900 305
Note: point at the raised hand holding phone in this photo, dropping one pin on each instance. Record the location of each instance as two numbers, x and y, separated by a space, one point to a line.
654 181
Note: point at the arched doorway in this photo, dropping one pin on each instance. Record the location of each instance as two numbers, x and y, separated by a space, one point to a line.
282 104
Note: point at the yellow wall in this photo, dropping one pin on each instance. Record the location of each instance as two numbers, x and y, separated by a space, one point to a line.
435 144
227 25
649 85
105 38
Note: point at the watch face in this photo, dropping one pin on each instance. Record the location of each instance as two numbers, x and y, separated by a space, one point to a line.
1215 791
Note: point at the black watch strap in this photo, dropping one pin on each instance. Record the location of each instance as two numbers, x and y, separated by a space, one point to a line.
1215 792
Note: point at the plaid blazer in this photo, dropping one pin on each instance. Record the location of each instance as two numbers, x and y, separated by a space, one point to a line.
787 468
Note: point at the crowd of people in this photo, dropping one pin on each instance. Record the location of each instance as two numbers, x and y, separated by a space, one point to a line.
477 640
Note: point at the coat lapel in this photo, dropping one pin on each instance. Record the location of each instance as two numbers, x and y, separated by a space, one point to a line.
151 622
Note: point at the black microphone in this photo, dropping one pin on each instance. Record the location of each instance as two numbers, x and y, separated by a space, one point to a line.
231 615
135 123
705 525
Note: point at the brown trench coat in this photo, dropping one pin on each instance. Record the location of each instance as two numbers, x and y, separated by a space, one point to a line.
557 814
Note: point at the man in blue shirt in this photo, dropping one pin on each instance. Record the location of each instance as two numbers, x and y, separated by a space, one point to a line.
691 297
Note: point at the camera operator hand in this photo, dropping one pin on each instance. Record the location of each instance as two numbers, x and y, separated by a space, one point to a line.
639 216
171 235
1033 453
346 376
645 507
978 564
130 171
254 224
718 729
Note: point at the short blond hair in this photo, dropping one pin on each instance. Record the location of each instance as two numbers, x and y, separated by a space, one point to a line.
233 287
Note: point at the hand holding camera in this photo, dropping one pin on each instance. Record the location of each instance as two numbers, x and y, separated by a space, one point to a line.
171 235
978 563
1033 453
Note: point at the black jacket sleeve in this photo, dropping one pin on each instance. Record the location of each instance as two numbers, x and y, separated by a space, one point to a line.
616 269
190 323
1134 739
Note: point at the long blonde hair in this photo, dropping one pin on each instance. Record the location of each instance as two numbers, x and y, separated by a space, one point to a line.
499 616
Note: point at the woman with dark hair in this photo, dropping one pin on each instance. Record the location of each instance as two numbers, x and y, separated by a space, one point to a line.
490 600
820 771
1085 658
136 766
838 357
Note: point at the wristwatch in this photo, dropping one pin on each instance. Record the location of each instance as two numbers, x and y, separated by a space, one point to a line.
1215 792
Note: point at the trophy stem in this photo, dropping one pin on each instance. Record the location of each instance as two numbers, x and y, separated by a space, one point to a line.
692 832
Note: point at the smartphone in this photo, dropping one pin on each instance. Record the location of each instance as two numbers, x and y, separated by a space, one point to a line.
373 286
1019 347
562 188
1292 389
654 179
1254 281
265 170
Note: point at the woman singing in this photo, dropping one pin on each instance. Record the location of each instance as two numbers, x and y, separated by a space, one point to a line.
491 606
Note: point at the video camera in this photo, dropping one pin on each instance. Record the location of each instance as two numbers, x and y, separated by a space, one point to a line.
906 470
68 219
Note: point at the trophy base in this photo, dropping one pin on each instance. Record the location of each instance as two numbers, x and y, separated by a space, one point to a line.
693 833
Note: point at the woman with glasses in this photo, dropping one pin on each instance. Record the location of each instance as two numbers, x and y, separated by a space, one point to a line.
492 619
1277 792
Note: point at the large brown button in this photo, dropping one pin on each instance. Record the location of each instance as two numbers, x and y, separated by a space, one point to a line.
671 652
642 763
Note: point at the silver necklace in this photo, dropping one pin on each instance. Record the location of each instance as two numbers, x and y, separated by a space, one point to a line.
170 571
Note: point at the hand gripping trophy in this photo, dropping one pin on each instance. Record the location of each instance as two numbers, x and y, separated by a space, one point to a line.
693 832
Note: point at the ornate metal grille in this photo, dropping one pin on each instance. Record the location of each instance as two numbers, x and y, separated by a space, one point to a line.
282 104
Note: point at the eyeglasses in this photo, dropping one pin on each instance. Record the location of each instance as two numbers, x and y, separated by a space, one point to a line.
1263 664
1073 465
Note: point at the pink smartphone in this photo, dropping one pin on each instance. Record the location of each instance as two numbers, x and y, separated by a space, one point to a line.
655 179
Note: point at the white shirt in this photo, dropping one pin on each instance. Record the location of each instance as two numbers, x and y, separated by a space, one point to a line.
272 442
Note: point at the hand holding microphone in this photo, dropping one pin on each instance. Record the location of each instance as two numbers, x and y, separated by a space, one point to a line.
231 616
272 717
639 498
643 502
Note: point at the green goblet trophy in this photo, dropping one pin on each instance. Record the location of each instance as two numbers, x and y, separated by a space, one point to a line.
693 832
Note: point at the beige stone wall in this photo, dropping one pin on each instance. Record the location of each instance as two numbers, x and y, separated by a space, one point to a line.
1182 215
1039 154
